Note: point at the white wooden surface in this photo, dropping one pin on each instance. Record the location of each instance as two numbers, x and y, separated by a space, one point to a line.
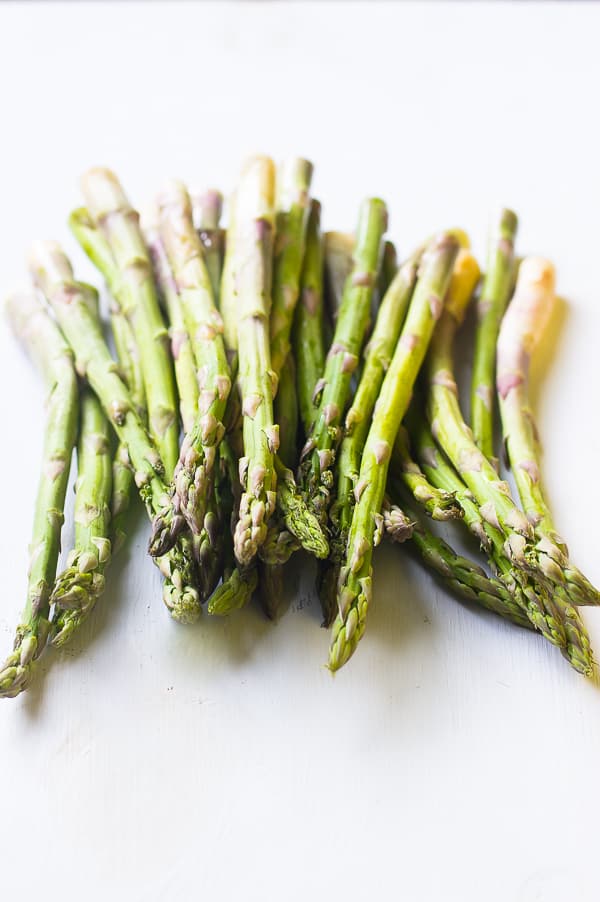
455 758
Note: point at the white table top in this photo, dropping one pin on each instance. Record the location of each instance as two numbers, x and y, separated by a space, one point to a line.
455 758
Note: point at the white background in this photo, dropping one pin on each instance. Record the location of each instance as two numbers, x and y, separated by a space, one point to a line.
455 758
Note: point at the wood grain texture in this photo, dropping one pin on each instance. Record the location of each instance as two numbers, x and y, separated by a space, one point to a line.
455 758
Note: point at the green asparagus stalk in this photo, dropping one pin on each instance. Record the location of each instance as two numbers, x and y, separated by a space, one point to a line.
53 274
522 328
338 251
365 530
119 222
530 594
51 354
332 392
247 274
98 250
495 293
79 586
378 354
204 325
181 347
293 205
438 504
388 268
206 212
553 616
307 332
280 544
463 577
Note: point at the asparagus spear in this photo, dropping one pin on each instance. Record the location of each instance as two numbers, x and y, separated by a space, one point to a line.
365 529
119 223
492 303
249 250
293 185
463 577
387 269
307 332
379 352
280 544
338 250
318 454
54 275
44 342
521 330
80 585
205 327
396 522
531 594
206 213
98 250
553 616
438 504
181 347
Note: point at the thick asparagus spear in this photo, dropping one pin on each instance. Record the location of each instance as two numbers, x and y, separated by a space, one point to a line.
206 211
555 618
293 204
438 504
46 345
332 392
181 347
521 330
365 529
52 272
307 332
379 352
119 223
248 277
205 327
495 293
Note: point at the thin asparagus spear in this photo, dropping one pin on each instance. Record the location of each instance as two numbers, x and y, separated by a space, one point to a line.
522 328
293 204
438 504
365 530
96 247
181 347
98 250
495 293
119 223
378 354
206 212
307 332
318 454
279 546
338 250
79 586
46 345
552 616
250 250
192 477
528 591
54 275
462 576
388 268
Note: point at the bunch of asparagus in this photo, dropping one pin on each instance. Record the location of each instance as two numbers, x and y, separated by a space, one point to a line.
312 380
